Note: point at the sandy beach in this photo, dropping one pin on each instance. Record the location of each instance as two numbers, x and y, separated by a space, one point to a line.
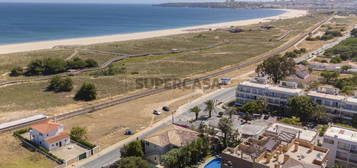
30 46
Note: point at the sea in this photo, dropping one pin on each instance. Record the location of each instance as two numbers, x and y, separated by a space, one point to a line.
29 22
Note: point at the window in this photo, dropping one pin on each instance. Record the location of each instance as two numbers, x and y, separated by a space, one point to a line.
41 134
343 146
354 149
341 155
329 141
353 158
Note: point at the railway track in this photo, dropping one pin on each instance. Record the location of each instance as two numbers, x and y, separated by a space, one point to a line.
103 105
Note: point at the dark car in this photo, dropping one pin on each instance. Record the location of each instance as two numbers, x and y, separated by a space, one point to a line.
166 108
266 117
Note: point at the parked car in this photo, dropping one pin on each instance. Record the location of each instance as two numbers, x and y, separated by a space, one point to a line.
156 112
128 132
166 108
266 117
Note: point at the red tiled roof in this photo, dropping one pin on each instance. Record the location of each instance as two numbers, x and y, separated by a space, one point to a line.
46 127
57 138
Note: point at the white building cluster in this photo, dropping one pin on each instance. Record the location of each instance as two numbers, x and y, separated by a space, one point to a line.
337 105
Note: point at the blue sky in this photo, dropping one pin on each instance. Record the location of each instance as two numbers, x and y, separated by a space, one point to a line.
110 1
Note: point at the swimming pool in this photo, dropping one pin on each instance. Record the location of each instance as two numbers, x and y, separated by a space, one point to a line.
215 163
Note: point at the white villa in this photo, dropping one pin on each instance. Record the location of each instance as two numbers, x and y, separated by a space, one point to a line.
49 134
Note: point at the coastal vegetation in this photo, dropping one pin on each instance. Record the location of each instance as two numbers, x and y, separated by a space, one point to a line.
49 66
120 77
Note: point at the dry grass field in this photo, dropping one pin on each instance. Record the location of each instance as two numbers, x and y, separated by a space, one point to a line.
253 42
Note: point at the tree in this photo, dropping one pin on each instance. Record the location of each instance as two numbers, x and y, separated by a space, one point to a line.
87 92
76 63
132 162
231 111
196 110
354 32
263 105
251 107
54 66
209 107
17 71
305 109
59 84
78 133
336 60
36 67
330 76
226 127
345 68
134 148
277 67
91 63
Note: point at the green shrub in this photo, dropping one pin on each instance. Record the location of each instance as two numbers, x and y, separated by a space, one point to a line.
60 84
291 121
87 92
17 71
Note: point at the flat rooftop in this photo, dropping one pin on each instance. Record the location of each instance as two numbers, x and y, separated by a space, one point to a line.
351 100
326 96
272 87
69 151
305 134
303 157
342 133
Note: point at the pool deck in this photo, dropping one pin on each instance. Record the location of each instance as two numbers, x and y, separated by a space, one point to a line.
207 161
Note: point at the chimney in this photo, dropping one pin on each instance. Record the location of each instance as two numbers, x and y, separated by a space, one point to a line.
296 146
277 165
286 158
269 157
311 148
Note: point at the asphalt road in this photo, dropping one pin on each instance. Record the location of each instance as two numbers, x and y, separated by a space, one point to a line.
222 95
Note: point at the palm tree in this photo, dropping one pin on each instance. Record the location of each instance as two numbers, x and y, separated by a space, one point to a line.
196 110
231 111
209 107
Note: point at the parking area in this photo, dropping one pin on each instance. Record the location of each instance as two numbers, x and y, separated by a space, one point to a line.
69 151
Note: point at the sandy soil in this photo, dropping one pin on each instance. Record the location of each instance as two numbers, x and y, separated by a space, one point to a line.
21 47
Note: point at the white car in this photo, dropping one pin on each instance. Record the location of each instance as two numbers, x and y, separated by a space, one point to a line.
156 112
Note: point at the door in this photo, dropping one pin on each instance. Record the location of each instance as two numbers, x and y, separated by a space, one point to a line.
60 144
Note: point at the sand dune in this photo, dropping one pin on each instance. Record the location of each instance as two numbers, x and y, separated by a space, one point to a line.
30 46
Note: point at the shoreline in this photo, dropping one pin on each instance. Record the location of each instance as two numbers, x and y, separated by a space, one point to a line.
41 45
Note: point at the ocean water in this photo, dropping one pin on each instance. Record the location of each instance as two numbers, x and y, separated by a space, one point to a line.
25 22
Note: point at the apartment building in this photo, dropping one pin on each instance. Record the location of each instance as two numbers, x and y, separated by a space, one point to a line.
276 95
284 150
337 105
342 143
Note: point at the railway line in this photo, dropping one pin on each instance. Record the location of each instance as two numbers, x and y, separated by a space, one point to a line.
103 105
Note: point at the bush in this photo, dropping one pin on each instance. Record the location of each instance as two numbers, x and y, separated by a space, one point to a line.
78 63
91 63
51 66
17 71
291 121
87 92
54 66
59 84
132 162
336 60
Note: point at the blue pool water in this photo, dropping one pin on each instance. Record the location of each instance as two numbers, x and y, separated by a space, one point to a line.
26 22
215 163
